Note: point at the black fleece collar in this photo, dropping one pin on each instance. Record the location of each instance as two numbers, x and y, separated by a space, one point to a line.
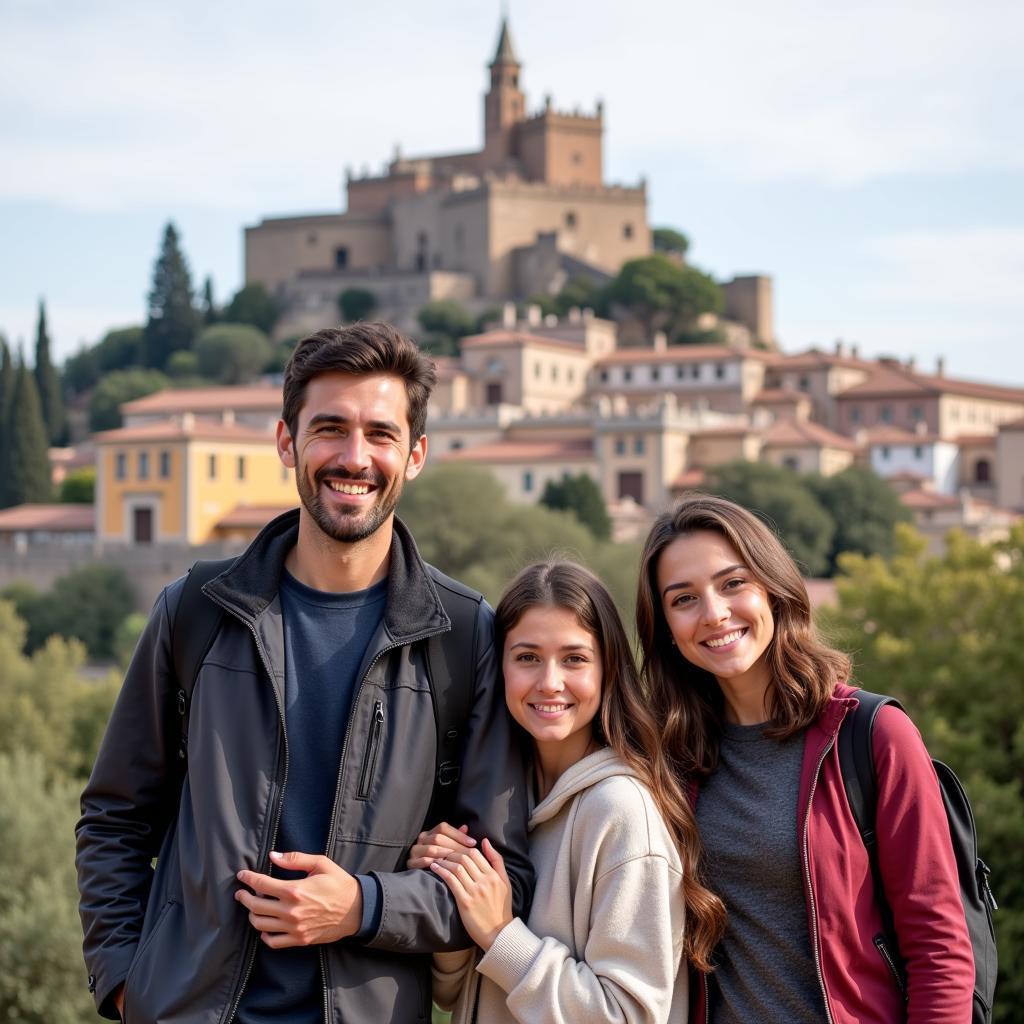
251 583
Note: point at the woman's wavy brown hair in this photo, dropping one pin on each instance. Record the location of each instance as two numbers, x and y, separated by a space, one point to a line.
687 700
628 723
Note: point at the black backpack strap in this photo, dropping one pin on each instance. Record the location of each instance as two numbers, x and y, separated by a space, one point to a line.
195 625
451 661
857 762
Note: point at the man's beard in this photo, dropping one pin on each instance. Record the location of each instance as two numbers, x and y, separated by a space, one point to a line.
348 525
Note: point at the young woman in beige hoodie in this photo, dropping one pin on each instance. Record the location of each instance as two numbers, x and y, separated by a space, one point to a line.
618 906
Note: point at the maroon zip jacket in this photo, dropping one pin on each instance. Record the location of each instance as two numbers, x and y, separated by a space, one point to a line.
918 870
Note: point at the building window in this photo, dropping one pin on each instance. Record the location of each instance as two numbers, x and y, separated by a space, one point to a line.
855 414
311 238
885 453
341 257
571 374
804 383
719 371
680 372
791 462
627 231
917 414
240 467
631 485
570 218
536 371
211 467
455 444
603 375
695 371
638 446
494 393
120 466
885 414
620 446
143 465
165 465
655 373
627 374
918 451
527 481
982 471
554 371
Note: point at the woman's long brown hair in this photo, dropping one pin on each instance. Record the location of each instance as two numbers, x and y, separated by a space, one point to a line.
629 724
687 700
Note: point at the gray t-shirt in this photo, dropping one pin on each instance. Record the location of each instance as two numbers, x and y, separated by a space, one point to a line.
747 813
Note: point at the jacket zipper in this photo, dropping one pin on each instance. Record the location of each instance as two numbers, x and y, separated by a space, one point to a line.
882 948
341 767
370 761
252 940
815 938
707 998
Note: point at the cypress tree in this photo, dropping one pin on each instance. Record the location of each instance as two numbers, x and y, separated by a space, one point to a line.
28 465
173 320
209 306
48 382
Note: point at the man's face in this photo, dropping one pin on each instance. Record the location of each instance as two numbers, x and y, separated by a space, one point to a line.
351 452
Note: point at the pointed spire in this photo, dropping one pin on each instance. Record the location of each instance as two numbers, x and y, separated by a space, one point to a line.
505 53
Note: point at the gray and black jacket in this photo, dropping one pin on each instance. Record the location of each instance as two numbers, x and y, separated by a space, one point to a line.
173 932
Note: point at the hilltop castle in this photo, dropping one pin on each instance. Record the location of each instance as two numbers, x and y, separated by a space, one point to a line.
522 215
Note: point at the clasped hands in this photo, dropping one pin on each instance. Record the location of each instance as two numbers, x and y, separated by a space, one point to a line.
475 875
325 906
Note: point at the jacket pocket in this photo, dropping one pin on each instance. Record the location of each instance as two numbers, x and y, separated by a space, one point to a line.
142 950
372 748
890 961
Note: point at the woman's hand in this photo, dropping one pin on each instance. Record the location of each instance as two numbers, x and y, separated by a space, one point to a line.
481 889
441 841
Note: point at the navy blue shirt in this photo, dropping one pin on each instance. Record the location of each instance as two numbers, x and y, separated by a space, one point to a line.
325 640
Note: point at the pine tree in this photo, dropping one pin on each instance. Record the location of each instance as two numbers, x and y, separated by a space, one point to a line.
173 320
48 382
27 465
210 315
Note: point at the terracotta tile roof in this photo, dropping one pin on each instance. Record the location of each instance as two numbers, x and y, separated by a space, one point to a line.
689 478
244 517
518 339
174 430
892 379
685 354
815 358
56 518
727 430
977 440
922 499
884 434
778 396
206 400
907 476
524 451
790 433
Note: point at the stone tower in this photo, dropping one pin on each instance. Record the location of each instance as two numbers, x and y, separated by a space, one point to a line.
505 103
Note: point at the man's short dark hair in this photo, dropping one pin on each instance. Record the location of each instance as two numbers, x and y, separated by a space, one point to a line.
360 349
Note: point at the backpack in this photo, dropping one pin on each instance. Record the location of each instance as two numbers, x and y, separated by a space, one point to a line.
198 619
858 769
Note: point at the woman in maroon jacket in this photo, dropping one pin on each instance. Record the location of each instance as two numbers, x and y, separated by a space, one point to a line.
752 702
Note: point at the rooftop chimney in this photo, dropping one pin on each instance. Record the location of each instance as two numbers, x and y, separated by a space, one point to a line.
508 315
940 366
840 347
533 315
660 341
575 315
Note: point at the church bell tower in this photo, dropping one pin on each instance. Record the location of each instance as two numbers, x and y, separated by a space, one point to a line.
505 103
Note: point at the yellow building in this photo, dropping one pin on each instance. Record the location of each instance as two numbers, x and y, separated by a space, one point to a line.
186 481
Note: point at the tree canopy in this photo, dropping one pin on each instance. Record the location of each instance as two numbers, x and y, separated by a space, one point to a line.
663 295
120 349
232 353
356 304
117 388
446 323
581 496
173 320
670 240
253 305
26 458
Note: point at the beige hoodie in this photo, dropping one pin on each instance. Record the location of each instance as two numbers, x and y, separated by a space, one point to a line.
603 941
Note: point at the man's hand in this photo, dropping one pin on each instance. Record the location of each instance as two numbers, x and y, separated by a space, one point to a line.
325 906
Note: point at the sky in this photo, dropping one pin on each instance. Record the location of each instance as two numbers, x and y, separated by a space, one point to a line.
868 156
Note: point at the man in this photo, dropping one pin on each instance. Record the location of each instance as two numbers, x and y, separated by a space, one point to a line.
278 892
